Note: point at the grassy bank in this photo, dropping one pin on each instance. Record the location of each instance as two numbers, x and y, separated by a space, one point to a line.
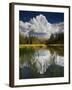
43 45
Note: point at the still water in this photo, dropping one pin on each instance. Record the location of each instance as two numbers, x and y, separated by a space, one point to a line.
41 62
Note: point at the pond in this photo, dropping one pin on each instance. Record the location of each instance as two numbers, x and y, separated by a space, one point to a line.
41 62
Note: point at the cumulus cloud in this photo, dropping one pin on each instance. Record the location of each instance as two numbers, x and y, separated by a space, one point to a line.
40 24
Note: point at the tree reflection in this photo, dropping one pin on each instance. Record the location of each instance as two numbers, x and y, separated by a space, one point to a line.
39 60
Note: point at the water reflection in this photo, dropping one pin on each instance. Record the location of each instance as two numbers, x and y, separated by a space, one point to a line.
37 62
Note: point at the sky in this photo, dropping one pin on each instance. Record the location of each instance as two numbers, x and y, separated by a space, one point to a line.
52 17
41 22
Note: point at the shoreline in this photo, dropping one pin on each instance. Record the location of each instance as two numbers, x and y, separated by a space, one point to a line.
42 45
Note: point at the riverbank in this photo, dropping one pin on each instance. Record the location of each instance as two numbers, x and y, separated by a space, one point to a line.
41 45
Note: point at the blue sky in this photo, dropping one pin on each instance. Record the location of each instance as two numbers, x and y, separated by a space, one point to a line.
52 17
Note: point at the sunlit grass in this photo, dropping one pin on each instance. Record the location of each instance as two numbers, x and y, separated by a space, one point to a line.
31 45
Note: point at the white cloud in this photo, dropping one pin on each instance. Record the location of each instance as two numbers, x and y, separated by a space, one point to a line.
41 25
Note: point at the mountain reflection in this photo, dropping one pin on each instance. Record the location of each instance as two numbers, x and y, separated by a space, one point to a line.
38 61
